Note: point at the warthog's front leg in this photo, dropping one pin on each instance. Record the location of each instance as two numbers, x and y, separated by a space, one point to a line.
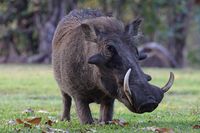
83 111
66 106
106 110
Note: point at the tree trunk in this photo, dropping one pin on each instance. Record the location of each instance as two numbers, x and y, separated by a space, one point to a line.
177 42
105 6
118 8
46 29
178 23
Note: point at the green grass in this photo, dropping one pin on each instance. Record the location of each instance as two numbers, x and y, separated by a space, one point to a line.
33 86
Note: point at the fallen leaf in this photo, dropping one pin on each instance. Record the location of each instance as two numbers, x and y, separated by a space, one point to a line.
12 122
158 130
196 127
27 111
19 121
153 129
49 122
119 122
53 130
88 130
34 121
92 130
29 122
54 119
27 125
164 130
43 111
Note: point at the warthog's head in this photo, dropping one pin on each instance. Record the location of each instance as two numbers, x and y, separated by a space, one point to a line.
116 58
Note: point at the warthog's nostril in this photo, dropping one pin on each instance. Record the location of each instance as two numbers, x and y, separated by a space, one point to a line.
148 106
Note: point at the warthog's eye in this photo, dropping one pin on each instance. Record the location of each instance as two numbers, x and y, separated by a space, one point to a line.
108 51
111 48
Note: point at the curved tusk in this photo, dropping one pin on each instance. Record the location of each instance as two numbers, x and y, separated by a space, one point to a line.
127 90
169 83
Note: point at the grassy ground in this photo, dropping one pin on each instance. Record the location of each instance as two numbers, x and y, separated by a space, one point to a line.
26 86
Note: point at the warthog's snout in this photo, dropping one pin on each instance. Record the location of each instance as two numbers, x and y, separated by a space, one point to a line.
144 97
148 106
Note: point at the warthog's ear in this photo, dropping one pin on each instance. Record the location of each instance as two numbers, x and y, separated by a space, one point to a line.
142 56
132 28
97 59
88 30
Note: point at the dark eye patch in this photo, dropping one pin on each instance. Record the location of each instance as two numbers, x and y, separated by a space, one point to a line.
111 48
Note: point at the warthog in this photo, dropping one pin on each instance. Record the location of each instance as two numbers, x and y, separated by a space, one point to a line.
95 60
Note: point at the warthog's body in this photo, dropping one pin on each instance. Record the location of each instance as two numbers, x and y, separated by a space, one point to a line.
70 59
86 79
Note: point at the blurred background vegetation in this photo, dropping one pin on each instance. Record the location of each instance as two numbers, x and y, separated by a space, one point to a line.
171 28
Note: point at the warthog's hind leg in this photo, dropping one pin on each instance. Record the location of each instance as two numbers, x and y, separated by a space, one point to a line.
66 106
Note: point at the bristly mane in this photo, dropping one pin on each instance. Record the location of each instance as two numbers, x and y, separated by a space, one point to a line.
97 18
84 14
